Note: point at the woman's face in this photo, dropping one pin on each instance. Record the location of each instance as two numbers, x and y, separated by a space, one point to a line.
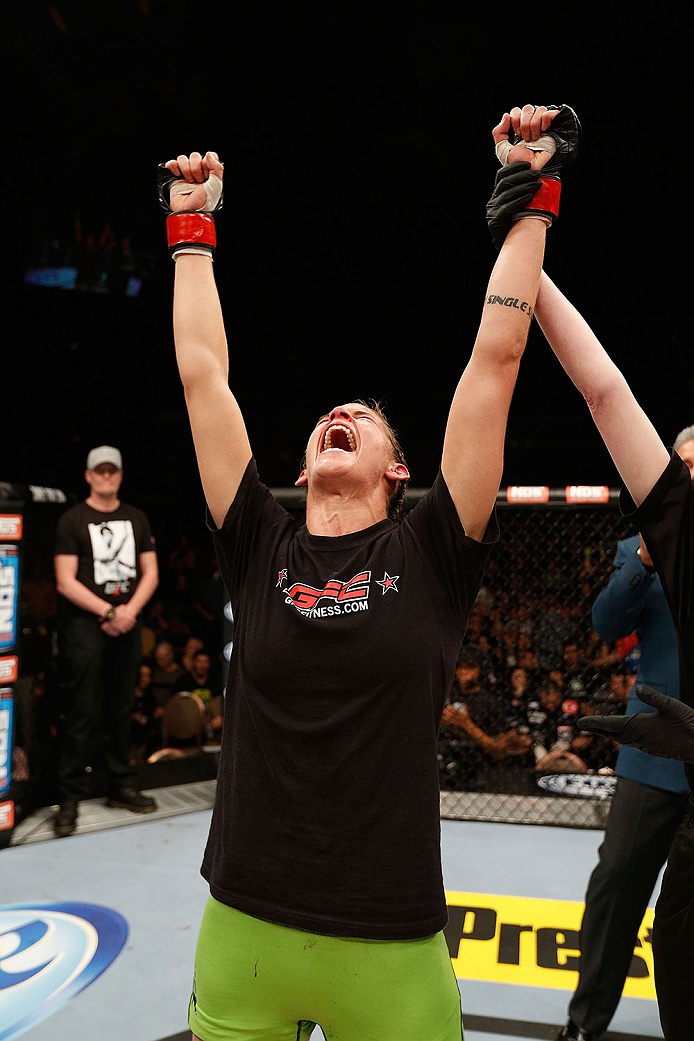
350 445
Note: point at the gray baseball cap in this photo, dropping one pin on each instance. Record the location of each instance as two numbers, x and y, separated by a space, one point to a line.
684 435
104 454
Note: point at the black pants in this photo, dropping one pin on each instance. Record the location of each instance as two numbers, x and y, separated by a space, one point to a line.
640 829
673 939
98 678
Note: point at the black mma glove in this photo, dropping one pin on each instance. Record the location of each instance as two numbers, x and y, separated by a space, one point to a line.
189 231
563 139
667 732
566 131
514 188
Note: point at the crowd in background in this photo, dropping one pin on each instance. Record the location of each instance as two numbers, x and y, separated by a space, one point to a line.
528 670
92 256
183 650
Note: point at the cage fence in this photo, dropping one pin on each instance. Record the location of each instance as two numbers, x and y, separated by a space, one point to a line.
532 665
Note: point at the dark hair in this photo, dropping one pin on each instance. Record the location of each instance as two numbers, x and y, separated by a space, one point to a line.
397 497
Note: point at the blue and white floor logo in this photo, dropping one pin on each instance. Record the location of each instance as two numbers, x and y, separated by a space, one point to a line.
50 952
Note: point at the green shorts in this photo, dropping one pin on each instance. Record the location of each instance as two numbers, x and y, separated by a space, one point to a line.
256 980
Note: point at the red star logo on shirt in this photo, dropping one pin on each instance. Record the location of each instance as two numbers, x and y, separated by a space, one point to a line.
388 582
281 577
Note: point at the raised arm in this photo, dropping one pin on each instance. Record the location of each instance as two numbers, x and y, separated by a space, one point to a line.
219 433
473 450
629 436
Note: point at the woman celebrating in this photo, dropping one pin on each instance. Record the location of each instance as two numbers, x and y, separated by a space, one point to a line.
327 902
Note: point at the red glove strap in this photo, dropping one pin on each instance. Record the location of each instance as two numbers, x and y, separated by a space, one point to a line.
547 198
192 229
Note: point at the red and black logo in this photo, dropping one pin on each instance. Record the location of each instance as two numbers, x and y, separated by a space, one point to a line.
304 597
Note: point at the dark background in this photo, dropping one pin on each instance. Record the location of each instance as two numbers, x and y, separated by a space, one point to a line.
353 251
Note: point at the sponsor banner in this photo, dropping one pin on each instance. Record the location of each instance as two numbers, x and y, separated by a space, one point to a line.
6 816
579 493
50 952
9 667
531 942
39 494
521 493
9 595
585 786
6 706
11 526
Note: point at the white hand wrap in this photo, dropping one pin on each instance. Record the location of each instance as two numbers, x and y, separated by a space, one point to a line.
199 250
546 143
212 187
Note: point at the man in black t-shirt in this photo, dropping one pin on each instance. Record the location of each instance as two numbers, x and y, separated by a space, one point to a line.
658 483
106 571
666 521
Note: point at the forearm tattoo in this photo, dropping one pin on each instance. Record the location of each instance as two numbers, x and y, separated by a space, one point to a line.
511 301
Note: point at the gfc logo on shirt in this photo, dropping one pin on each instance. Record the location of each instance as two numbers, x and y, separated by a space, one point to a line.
50 952
335 597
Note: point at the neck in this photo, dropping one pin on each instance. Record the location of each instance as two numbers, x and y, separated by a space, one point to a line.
103 503
343 512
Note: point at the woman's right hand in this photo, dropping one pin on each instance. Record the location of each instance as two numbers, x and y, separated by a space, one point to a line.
196 171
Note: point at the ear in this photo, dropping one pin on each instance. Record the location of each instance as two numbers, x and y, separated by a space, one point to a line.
302 480
88 477
397 472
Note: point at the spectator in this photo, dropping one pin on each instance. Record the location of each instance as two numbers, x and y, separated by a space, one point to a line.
479 714
106 571
183 560
192 645
552 732
144 731
579 677
204 680
166 672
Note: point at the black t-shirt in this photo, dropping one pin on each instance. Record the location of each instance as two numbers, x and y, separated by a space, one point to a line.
666 520
108 546
327 809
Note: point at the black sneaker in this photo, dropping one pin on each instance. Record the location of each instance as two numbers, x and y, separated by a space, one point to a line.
572 1032
65 820
131 799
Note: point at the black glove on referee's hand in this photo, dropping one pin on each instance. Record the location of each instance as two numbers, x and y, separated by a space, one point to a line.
667 732
514 187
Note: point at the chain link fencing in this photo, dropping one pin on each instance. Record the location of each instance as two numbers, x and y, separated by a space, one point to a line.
532 665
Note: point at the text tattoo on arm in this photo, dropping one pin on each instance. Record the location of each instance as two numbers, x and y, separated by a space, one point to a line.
511 301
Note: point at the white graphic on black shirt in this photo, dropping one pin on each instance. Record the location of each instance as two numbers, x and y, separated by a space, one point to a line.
114 554
388 582
335 597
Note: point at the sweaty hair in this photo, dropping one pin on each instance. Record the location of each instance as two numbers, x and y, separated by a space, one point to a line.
397 496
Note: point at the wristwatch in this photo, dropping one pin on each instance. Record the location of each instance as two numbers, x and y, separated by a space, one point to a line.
109 616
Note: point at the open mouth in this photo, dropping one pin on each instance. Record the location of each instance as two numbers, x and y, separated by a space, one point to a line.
340 437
